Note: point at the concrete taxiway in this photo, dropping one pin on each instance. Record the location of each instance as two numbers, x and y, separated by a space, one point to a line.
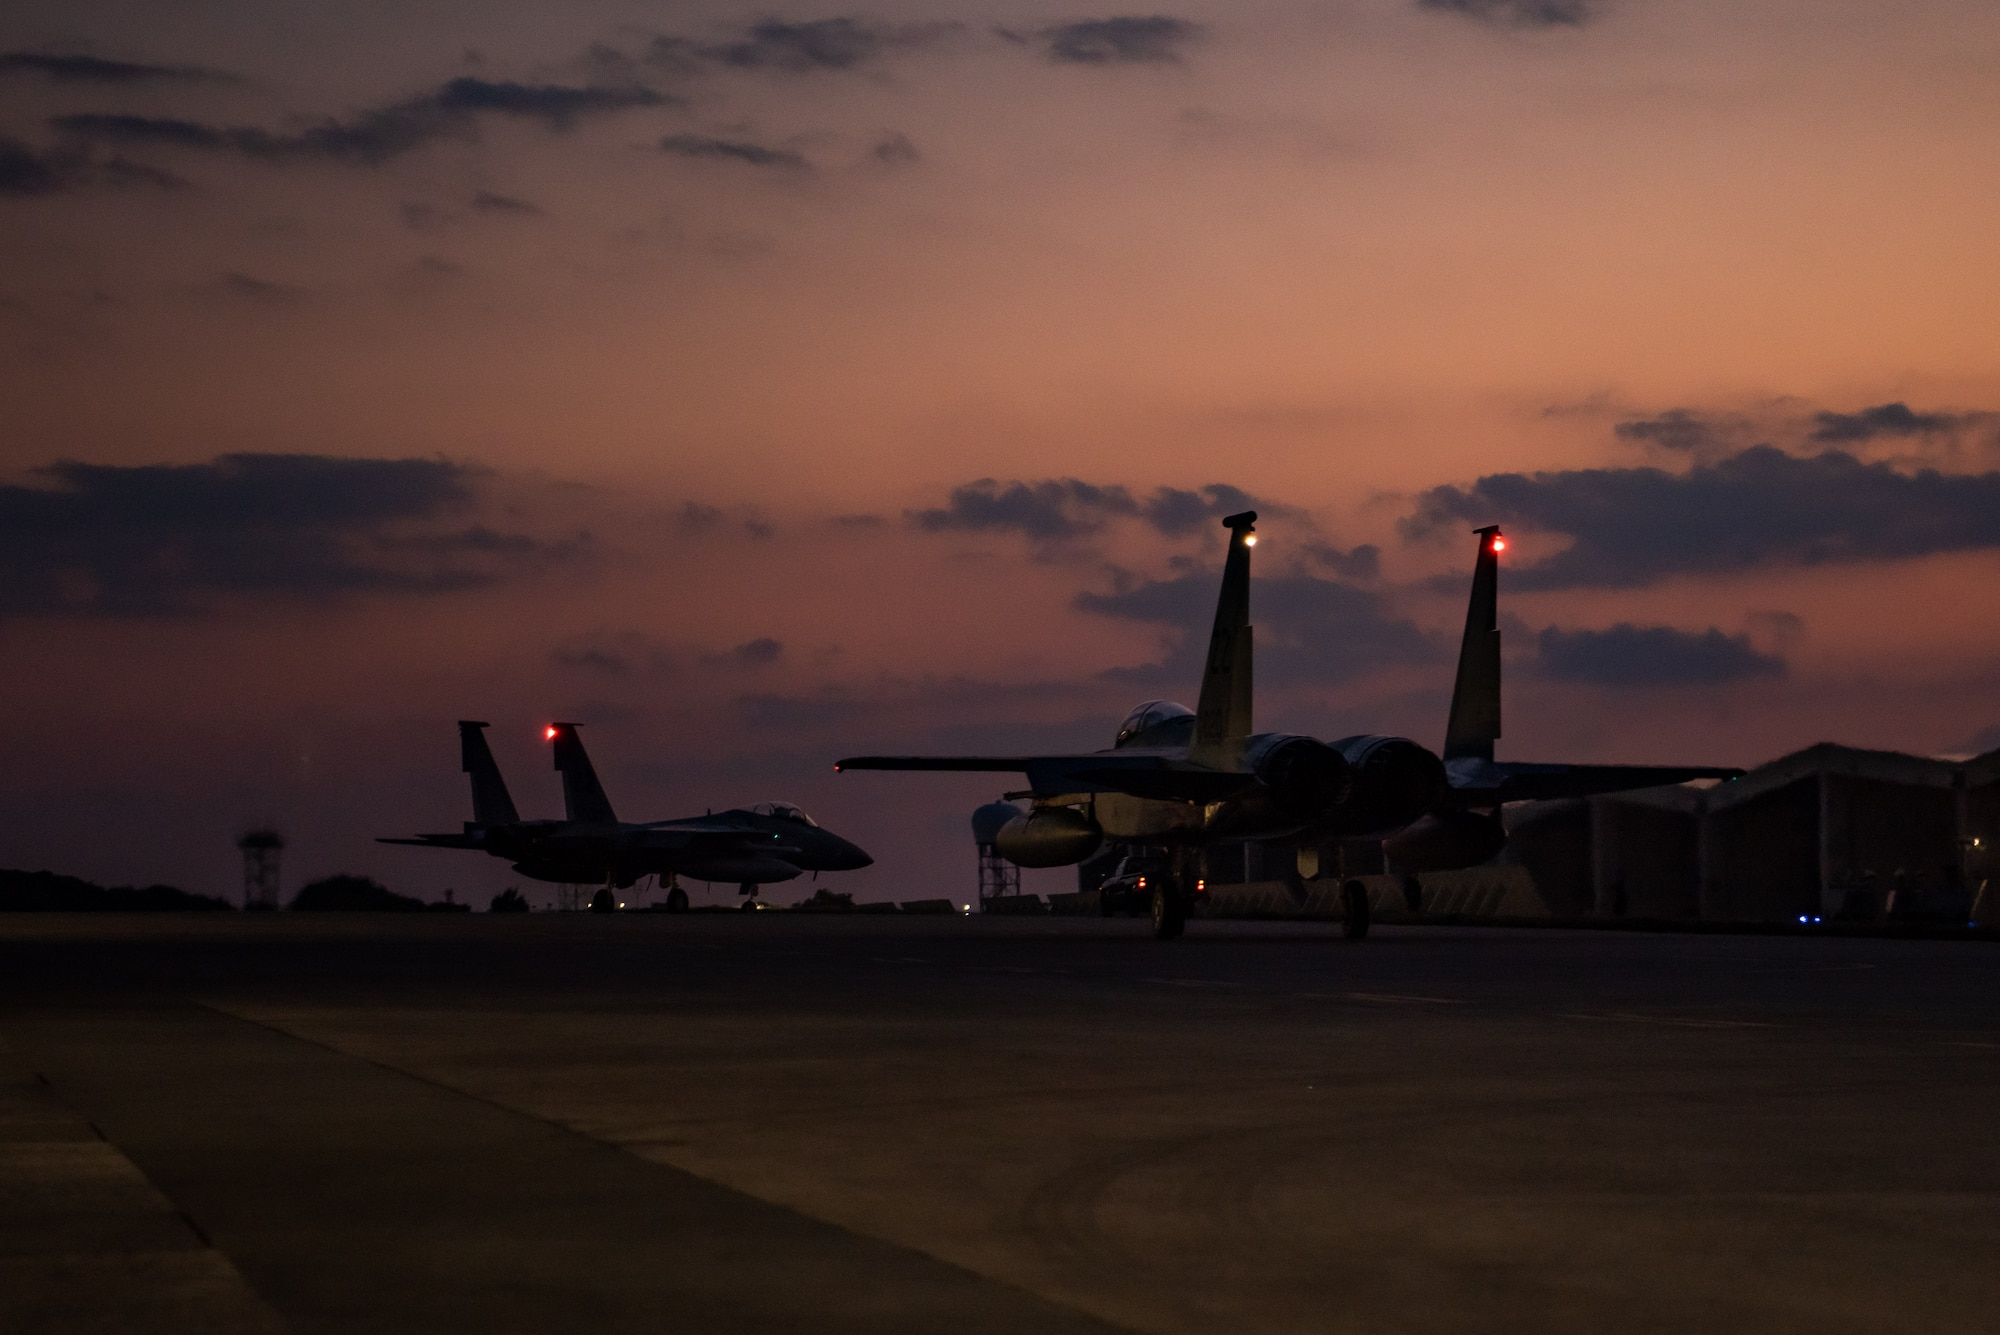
783 1122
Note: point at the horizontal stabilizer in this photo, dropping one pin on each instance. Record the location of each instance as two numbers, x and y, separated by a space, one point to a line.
1493 782
440 841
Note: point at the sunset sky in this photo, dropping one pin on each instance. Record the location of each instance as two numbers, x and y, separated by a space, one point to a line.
762 385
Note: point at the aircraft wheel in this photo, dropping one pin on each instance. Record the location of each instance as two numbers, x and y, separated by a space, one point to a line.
677 900
1354 903
604 902
1413 894
1169 913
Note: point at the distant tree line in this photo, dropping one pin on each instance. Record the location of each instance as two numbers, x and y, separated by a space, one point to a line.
50 892
348 893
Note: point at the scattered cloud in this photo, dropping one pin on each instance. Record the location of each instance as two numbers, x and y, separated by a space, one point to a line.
1050 511
1363 562
1310 631
1152 39
1776 626
694 517
1517 13
821 44
895 149
732 150
1678 429
260 290
1629 655
1060 509
488 202
758 652
1175 512
1986 739
96 69
23 171
103 540
1760 507
375 136
151 131
1887 420
26 171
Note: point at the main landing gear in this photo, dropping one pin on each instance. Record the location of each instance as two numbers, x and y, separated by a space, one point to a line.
1314 863
1175 892
1354 910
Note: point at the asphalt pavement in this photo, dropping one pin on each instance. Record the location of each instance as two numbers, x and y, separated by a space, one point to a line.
789 1122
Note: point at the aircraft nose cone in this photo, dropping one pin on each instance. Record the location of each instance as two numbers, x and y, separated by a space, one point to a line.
852 858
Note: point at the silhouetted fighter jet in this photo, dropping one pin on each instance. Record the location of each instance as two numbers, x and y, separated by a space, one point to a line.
1185 779
772 841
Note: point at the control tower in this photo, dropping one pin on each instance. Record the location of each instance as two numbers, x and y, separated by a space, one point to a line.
262 848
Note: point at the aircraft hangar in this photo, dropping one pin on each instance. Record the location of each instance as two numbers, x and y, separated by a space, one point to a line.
1828 833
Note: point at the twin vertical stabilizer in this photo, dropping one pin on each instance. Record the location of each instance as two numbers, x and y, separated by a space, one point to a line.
1223 715
491 802
1474 724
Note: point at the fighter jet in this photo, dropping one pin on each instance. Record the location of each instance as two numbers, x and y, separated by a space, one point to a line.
772 841
1188 779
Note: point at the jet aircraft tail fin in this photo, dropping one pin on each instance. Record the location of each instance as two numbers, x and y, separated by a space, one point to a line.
1475 698
583 795
1223 713
492 804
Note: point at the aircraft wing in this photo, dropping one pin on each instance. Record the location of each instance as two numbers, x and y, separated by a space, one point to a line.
1139 773
1489 782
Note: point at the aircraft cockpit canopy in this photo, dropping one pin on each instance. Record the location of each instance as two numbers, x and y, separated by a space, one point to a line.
785 811
1150 715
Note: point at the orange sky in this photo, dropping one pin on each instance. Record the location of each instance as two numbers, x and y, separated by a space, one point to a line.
1332 255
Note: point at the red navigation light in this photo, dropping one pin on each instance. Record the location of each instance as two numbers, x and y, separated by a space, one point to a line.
1499 543
548 734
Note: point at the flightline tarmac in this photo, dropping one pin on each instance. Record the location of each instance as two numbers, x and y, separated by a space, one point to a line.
789 1122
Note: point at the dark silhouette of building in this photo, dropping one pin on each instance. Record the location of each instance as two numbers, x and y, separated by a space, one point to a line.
1830 832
